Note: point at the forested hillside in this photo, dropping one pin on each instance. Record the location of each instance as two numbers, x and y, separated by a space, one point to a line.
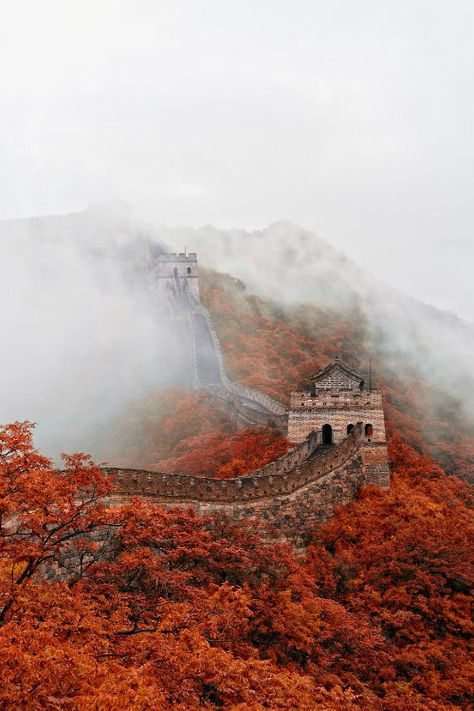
275 350
147 608
143 608
77 286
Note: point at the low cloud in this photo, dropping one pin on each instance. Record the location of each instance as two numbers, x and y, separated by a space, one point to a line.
81 336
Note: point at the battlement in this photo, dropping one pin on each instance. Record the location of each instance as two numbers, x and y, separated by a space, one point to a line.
293 494
337 426
333 403
174 278
177 257
282 477
304 399
168 265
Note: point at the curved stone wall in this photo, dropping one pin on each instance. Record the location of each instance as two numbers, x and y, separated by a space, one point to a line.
248 416
208 364
243 391
280 478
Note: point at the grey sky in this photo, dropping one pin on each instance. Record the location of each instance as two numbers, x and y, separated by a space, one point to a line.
350 117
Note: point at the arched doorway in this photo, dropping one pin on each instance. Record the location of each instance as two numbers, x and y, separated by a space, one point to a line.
327 434
350 427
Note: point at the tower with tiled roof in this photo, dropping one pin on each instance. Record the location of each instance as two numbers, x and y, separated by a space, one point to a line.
332 404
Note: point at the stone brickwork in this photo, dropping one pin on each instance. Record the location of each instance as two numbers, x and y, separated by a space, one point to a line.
174 283
375 457
250 413
337 425
172 273
292 495
334 402
337 376
165 264
340 410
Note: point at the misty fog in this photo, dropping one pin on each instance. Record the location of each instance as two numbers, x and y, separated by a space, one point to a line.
290 265
352 120
81 337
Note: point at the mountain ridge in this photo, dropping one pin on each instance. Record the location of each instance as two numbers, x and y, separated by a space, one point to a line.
290 269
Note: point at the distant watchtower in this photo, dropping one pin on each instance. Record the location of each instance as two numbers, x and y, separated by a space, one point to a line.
169 265
334 402
174 277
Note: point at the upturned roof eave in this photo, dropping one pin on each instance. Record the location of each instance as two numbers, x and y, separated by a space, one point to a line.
337 364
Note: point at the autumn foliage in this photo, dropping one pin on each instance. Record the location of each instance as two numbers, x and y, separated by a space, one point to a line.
175 430
226 456
147 608
276 349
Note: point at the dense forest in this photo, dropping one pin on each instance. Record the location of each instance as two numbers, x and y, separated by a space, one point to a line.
147 608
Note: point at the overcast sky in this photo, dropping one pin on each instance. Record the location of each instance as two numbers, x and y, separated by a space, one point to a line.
350 117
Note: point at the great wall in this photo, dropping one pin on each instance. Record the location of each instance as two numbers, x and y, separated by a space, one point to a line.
337 425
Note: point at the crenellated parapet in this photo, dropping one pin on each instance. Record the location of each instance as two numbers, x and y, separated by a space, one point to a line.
292 495
284 476
301 489
305 400
174 280
267 402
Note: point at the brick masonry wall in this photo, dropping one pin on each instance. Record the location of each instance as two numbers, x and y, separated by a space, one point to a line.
292 494
338 410
376 466
245 416
291 516
163 286
300 489
281 477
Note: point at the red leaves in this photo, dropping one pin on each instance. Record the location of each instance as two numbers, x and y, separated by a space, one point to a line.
276 349
404 558
191 433
227 456
47 517
178 611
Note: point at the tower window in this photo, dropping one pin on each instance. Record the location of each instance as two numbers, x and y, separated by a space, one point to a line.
369 430
189 271
350 427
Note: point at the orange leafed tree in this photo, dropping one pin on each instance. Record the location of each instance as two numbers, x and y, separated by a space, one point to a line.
146 607
46 516
190 433
404 559
158 615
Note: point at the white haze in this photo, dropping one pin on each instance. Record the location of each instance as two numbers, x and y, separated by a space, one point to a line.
351 118
80 336
291 265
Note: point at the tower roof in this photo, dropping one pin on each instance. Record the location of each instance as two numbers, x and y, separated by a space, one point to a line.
338 373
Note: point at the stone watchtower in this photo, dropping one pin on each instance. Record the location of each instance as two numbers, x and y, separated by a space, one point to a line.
174 278
333 404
